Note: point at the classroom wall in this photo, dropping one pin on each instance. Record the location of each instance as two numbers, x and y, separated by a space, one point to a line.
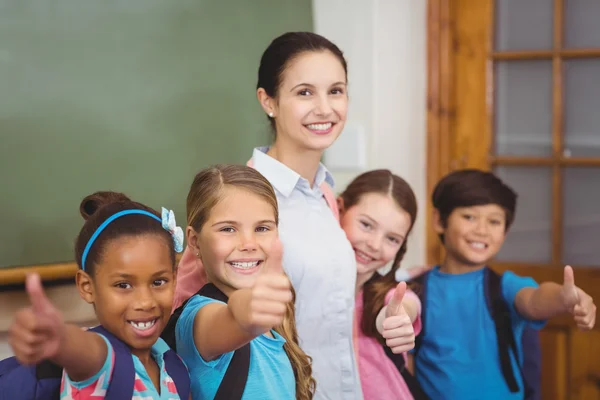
384 42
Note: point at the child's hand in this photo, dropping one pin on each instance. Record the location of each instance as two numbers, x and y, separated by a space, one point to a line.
578 302
264 305
37 331
397 327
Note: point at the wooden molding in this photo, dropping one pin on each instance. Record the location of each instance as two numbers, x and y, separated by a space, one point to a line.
47 272
545 54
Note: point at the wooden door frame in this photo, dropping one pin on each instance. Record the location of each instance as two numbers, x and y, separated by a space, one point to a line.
450 144
440 110
460 58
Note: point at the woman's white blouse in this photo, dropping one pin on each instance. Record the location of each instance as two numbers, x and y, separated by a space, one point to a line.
321 265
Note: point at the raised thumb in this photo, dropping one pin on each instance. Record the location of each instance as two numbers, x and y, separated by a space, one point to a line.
39 301
394 307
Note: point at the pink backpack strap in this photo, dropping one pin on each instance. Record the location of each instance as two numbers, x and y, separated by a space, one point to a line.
330 199
327 193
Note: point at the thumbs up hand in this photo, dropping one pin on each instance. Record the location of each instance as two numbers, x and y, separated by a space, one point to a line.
397 326
37 332
262 307
577 302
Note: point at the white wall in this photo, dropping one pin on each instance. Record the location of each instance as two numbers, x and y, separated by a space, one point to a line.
384 42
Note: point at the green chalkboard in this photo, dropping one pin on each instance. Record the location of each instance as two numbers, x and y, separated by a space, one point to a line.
126 95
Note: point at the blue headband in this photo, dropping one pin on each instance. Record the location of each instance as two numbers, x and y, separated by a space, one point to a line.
168 223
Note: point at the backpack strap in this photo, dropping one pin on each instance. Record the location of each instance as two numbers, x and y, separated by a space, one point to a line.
421 282
48 370
504 333
398 359
123 374
178 372
168 334
414 387
234 381
330 199
532 360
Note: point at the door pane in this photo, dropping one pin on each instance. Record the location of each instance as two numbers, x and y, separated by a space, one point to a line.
582 108
523 108
581 23
581 220
529 238
524 25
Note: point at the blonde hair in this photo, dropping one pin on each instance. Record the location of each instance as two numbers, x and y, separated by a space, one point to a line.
205 193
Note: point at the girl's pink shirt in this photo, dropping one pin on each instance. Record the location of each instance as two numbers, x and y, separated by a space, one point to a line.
379 377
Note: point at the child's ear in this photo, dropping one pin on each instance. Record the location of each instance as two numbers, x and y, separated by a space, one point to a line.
340 204
85 286
192 240
438 226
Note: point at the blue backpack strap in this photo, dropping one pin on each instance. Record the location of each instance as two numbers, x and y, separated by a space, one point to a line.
179 373
532 363
500 314
123 374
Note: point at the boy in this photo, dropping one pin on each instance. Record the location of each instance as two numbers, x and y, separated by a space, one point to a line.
458 356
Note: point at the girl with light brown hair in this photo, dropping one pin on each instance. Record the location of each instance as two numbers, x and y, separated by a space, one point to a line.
232 228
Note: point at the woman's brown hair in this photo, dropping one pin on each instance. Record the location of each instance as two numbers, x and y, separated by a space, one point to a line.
206 192
380 181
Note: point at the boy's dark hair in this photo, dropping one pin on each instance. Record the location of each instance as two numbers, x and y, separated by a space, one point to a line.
472 187
97 208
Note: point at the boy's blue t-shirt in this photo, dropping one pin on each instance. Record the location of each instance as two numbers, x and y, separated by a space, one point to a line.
458 357
270 374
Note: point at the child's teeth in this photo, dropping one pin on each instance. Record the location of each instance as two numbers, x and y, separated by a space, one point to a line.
363 255
479 245
245 265
320 127
143 325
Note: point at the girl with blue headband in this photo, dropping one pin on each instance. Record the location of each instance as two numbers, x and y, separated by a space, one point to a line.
126 254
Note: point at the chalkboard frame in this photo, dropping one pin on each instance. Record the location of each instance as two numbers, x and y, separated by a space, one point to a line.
47 272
